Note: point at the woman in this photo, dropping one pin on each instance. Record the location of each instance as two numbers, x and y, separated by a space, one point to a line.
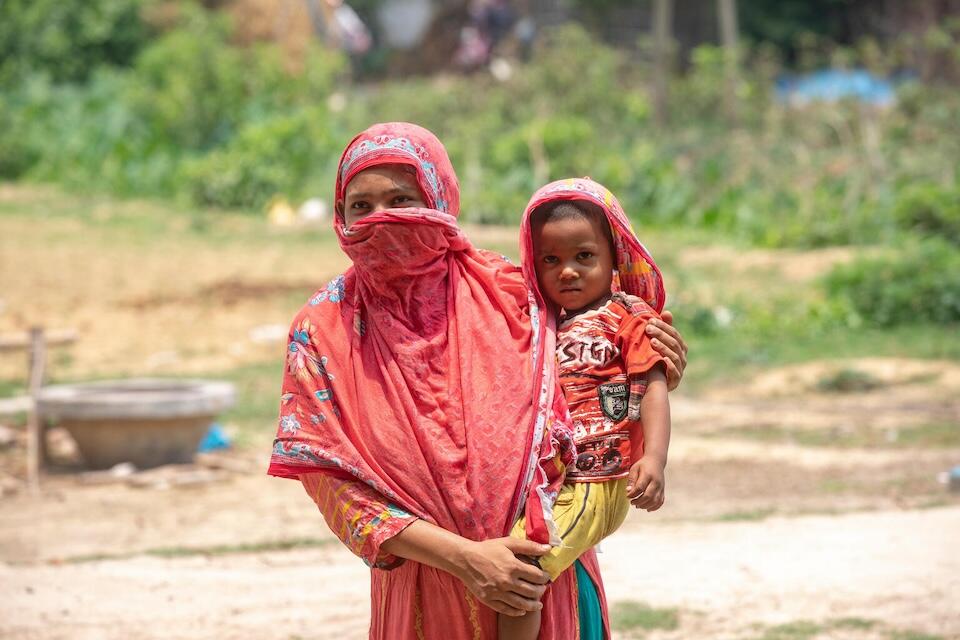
420 412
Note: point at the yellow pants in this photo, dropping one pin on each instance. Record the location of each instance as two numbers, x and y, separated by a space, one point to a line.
585 514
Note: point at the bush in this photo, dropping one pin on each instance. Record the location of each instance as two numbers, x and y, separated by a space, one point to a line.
918 283
67 40
16 153
930 209
197 89
265 159
190 93
225 125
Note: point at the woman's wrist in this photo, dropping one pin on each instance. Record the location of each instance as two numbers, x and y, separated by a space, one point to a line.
454 555
431 545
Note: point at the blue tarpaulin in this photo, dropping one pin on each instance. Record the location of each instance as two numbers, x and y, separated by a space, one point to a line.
215 438
831 85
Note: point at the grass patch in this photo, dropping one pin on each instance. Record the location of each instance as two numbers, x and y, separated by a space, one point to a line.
833 485
752 515
629 615
145 223
258 397
941 434
934 435
216 550
800 630
805 629
913 635
714 355
848 381
10 388
854 623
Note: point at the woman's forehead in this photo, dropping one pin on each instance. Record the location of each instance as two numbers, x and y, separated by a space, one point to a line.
395 174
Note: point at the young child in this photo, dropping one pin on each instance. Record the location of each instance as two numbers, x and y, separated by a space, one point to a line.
586 260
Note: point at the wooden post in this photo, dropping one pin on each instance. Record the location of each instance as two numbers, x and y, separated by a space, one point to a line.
728 39
35 443
662 51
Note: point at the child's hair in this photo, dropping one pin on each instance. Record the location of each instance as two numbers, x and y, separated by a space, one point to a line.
570 209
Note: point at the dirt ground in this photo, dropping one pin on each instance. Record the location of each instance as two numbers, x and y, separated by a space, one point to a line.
792 513
754 535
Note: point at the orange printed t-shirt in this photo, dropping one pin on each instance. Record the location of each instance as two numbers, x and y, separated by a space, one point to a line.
599 352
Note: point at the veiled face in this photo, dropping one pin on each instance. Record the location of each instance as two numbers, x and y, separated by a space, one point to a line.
388 186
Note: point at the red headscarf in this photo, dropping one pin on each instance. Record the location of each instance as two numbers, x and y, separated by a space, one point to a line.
423 371
636 273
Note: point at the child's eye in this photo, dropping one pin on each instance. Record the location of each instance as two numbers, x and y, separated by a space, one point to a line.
584 255
550 259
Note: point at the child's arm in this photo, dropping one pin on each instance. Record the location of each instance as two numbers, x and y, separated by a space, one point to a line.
645 486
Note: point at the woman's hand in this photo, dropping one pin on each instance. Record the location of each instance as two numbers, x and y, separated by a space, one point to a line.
490 569
668 342
492 572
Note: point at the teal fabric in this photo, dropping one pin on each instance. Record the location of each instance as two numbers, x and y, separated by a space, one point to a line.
588 604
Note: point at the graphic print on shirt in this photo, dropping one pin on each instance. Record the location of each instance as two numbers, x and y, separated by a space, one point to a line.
614 399
581 349
595 384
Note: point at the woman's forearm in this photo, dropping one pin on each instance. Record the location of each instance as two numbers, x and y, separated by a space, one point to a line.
358 515
489 569
428 544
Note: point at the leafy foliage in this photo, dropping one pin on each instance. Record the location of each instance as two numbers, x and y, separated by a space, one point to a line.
930 209
199 117
920 283
66 40
265 158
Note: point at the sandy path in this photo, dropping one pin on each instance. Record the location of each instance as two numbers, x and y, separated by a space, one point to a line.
899 568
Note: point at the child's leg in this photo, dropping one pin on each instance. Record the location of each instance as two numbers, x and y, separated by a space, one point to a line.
585 514
525 627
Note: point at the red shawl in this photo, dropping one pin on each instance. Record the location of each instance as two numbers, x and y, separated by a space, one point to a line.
425 371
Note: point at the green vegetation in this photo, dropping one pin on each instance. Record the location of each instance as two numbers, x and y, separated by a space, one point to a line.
920 283
199 145
943 434
747 348
847 381
629 615
914 635
804 629
801 630
216 550
746 516
243 127
257 392
854 623
66 40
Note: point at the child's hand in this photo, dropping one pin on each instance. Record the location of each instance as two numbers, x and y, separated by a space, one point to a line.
645 484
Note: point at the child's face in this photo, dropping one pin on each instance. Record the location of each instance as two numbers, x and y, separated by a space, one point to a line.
388 186
574 262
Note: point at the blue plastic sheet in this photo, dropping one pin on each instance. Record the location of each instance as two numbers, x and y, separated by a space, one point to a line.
216 438
832 85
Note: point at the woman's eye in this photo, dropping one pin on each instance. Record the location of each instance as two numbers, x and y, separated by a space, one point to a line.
360 205
402 199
